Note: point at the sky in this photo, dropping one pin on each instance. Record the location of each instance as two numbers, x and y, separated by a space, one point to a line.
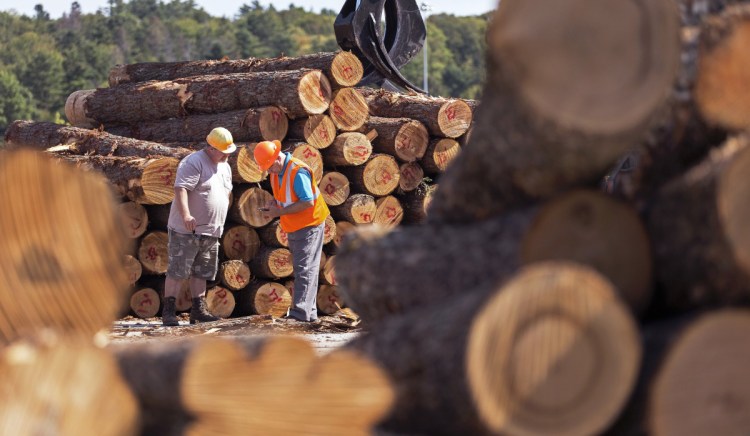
228 8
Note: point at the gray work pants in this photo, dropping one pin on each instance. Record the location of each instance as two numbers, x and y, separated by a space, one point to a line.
306 245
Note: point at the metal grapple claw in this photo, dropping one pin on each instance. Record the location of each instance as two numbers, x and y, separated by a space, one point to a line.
358 28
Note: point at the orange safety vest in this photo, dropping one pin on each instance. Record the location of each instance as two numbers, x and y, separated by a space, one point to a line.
284 194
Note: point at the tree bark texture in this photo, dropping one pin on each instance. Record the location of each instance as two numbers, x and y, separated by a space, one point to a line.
262 124
403 138
392 272
341 68
416 202
448 118
299 93
524 147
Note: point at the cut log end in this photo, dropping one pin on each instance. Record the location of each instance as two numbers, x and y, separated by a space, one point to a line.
705 370
240 243
315 92
153 252
389 212
235 274
220 302
349 110
584 226
411 176
271 299
594 99
454 118
439 155
312 157
274 124
329 230
318 131
133 218
329 300
732 204
721 88
329 271
334 187
342 228
346 69
357 209
133 268
75 110
381 175
247 168
411 141
355 148
248 204
158 180
145 303
61 251
584 344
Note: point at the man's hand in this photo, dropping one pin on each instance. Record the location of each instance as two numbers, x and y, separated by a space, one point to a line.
273 211
189 221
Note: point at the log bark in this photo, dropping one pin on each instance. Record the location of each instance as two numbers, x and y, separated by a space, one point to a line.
411 176
334 187
234 274
153 252
349 110
403 138
341 68
490 360
329 300
61 254
200 386
133 219
524 147
245 208
143 180
697 224
245 125
348 149
388 212
415 203
273 235
220 302
357 209
145 303
448 118
299 93
378 176
102 402
439 154
316 130
240 243
392 272
312 157
43 135
272 263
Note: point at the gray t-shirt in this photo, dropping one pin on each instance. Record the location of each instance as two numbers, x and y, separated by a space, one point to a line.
208 186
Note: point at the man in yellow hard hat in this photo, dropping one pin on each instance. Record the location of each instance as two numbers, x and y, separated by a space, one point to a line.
196 222
302 214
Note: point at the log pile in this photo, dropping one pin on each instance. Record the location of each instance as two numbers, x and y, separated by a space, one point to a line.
531 302
369 160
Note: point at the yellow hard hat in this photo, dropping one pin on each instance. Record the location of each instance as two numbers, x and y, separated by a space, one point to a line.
266 152
221 139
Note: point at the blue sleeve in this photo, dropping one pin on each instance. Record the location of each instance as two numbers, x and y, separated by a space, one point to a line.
303 186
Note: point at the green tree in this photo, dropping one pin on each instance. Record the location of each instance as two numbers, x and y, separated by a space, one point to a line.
16 102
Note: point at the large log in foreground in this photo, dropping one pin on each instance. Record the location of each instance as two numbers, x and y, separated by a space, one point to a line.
342 68
385 273
256 125
64 387
221 386
299 93
698 224
61 250
553 351
537 133
43 135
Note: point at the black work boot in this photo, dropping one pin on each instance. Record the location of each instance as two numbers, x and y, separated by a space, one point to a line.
168 316
199 312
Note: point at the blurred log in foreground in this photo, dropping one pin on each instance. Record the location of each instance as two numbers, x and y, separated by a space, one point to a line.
553 351
61 252
524 145
231 386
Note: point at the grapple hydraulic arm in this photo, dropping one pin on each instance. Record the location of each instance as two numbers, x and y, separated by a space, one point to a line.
358 28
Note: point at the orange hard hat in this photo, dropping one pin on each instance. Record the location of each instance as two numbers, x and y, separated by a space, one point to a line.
266 152
221 139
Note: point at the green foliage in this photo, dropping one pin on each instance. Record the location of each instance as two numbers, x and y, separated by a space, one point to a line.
43 60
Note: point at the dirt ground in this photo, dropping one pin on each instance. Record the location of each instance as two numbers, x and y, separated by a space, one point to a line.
331 333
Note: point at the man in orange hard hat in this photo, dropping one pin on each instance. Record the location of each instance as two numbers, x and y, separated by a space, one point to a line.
196 222
302 214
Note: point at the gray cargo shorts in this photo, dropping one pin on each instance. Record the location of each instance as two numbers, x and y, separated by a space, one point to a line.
193 256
